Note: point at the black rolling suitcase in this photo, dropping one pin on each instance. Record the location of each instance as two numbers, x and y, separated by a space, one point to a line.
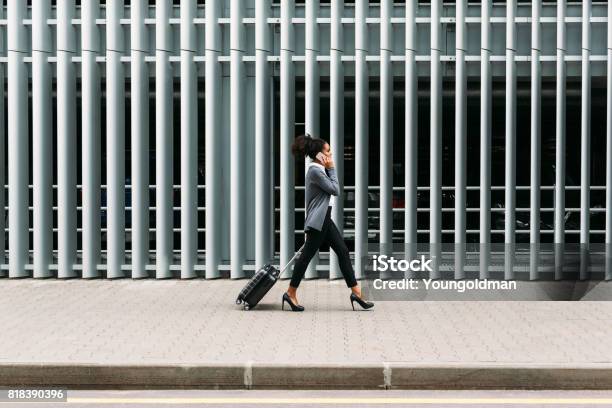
261 283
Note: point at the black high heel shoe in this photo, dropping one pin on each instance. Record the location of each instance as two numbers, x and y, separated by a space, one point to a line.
363 303
294 307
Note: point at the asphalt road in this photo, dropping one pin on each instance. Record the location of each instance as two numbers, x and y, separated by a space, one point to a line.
321 399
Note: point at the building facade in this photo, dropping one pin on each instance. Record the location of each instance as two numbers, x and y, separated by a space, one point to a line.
152 138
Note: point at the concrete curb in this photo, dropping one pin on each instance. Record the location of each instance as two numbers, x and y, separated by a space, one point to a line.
254 375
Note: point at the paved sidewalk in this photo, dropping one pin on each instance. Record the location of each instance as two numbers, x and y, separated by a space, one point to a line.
173 333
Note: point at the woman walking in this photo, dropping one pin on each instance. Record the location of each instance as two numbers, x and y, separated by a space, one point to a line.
321 190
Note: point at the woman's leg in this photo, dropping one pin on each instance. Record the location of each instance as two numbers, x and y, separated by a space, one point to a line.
314 239
337 243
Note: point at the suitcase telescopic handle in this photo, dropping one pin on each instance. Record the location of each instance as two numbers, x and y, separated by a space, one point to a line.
295 256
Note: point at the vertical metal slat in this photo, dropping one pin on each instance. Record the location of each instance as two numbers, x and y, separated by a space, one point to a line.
559 236
66 140
237 129
287 119
263 137
485 139
336 124
411 131
535 160
189 140
460 140
312 116
139 139
361 136
213 126
585 139
17 140
510 140
435 158
42 138
91 138
386 127
115 140
164 192
608 262
3 273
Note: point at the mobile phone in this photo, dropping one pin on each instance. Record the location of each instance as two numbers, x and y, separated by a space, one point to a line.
321 157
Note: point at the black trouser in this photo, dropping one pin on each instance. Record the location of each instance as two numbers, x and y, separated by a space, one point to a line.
314 239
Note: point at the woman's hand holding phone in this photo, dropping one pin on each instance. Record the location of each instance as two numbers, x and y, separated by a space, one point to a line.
327 161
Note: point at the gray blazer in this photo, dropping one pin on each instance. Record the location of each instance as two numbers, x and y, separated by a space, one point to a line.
320 185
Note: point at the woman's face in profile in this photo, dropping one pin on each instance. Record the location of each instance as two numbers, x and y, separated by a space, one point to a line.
327 150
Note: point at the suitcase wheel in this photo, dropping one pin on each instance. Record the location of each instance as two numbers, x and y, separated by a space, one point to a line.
238 301
246 306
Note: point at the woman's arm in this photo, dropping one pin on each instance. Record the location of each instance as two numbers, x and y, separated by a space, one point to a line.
327 181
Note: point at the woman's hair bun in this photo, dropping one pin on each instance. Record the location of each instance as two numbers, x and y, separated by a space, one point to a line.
306 145
299 145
